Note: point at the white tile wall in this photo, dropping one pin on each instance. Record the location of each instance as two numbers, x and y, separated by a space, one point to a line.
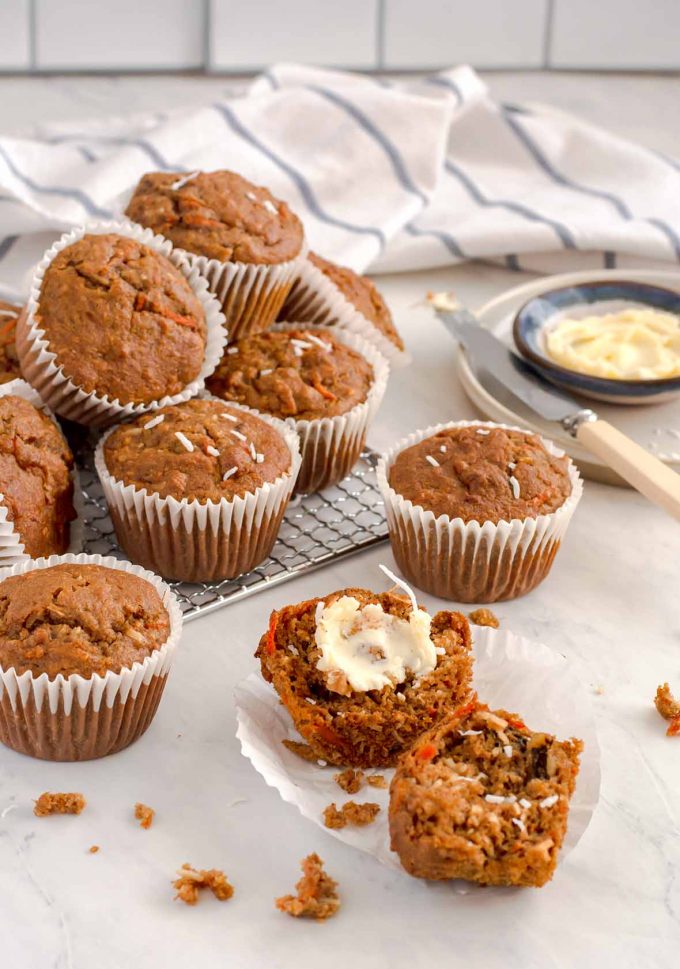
247 34
15 44
486 33
119 34
624 34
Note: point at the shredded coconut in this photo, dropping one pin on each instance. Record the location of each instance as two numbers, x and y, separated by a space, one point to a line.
240 436
433 461
322 343
213 450
507 750
270 207
469 733
524 802
263 373
443 449
184 440
259 458
483 431
154 422
518 823
181 182
514 484
229 417
229 473
232 350
548 802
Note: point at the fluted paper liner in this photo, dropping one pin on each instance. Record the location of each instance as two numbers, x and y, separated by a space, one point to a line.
11 547
331 446
314 298
473 561
250 294
74 718
509 672
40 366
199 541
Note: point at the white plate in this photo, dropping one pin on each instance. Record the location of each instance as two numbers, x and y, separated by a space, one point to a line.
510 672
655 427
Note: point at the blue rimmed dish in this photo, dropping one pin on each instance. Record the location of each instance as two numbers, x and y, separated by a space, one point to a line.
534 320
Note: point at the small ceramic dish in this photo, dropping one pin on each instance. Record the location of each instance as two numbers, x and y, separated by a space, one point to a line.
534 320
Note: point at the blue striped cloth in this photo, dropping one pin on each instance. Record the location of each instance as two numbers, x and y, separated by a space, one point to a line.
386 175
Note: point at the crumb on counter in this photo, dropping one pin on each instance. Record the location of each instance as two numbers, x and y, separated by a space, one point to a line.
302 750
669 708
317 896
376 780
144 814
444 301
350 813
93 849
350 780
192 879
484 617
50 803
598 690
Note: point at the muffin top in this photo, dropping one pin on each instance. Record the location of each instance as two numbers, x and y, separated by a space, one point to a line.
9 362
219 215
82 619
304 374
35 462
121 319
362 294
481 474
201 450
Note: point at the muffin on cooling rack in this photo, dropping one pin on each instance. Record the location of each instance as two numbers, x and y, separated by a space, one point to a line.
197 491
363 674
326 386
85 647
484 798
248 244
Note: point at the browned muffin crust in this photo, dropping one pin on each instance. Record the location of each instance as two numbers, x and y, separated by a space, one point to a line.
289 374
362 729
35 465
361 292
154 455
505 822
121 319
219 215
85 619
9 361
472 478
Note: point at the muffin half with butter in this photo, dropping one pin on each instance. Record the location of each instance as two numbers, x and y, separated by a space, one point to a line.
363 674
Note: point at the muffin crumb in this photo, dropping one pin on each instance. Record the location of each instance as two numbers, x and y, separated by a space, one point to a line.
350 780
144 814
350 813
376 780
51 803
317 895
301 750
93 849
669 708
192 879
484 617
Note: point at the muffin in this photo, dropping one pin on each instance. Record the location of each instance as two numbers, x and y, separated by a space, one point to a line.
327 387
117 324
36 479
332 295
484 798
197 491
363 674
85 648
247 243
476 512
9 361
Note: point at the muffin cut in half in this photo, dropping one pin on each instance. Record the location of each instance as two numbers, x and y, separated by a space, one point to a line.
363 674
484 798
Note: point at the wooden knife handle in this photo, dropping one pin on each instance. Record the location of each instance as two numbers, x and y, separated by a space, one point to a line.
651 477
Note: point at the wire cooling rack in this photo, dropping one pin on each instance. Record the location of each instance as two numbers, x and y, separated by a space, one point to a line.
317 529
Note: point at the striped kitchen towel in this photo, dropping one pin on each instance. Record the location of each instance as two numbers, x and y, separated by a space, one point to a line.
385 175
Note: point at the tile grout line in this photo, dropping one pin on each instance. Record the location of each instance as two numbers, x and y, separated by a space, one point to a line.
548 33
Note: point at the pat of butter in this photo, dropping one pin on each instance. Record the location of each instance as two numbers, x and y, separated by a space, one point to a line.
635 344
372 648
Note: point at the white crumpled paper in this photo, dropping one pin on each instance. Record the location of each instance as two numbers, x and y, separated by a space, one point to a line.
510 672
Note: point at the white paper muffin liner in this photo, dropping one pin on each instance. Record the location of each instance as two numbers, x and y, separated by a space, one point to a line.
11 547
40 366
331 446
509 672
314 298
199 541
74 718
473 561
250 294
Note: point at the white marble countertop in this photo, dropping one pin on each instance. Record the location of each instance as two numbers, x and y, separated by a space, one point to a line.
611 605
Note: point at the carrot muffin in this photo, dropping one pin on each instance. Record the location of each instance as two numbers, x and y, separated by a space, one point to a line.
35 477
122 320
69 625
226 221
363 674
220 477
9 361
484 798
476 512
316 381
